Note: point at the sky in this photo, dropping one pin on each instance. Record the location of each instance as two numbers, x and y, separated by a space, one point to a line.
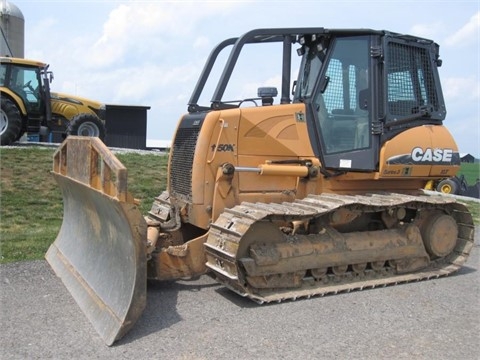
150 53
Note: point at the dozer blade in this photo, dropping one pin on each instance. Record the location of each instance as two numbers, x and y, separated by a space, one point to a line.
99 252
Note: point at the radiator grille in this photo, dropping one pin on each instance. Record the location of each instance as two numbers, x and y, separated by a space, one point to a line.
183 152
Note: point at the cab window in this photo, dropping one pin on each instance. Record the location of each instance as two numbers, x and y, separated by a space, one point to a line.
343 115
25 82
411 90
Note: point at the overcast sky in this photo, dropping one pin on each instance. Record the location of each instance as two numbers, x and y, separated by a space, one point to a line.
152 52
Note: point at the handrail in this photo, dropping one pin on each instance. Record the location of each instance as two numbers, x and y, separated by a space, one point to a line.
222 124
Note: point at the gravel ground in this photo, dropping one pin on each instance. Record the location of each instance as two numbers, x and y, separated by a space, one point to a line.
436 319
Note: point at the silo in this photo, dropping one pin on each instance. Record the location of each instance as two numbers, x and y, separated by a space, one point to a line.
12 23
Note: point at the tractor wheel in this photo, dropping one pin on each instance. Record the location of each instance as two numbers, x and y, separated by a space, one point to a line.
10 122
447 186
86 125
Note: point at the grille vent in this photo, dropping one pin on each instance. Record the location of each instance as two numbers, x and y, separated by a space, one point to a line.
183 152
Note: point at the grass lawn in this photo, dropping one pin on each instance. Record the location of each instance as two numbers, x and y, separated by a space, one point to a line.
471 171
31 207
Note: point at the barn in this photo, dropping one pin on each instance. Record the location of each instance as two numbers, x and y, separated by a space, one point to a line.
467 158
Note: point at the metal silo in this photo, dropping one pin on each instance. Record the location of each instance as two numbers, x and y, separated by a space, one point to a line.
12 23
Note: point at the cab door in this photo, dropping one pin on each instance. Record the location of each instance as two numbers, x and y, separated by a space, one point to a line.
342 106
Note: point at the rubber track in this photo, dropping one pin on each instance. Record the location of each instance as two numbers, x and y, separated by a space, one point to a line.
233 223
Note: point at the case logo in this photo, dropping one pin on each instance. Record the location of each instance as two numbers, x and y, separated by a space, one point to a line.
428 156
434 155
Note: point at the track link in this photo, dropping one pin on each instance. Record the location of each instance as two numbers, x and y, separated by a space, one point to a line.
225 244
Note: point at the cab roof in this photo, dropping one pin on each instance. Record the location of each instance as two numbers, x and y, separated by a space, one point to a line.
21 61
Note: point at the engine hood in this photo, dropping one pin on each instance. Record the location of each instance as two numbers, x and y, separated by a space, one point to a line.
76 100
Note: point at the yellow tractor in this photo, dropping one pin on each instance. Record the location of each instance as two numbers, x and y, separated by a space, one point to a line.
28 106
316 194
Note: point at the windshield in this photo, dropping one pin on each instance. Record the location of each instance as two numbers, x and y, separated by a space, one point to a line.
24 81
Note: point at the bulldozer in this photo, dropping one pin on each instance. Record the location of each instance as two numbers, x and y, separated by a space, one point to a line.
28 106
316 194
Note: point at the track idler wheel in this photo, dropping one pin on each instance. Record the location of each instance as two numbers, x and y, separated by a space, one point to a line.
359 268
439 233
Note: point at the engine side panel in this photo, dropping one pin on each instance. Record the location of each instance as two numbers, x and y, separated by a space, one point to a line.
425 151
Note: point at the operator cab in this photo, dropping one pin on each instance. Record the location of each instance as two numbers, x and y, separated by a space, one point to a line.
29 81
25 81
362 89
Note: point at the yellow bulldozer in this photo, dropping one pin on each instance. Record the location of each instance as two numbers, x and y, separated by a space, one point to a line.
28 105
315 194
